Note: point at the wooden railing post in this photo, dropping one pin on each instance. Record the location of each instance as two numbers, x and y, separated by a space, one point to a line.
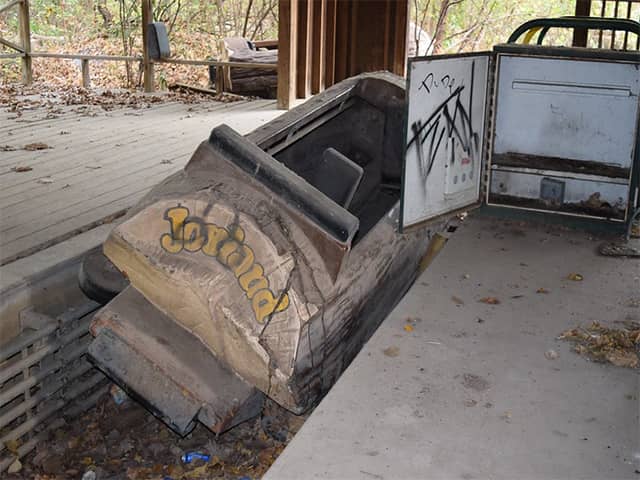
25 41
86 77
147 63
287 55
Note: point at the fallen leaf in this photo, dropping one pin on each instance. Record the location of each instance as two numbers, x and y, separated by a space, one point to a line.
408 328
576 277
551 355
15 467
197 472
490 300
12 445
542 290
87 461
617 346
391 351
623 359
21 169
457 300
36 146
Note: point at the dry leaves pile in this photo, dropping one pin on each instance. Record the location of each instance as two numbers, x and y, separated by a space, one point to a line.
618 346
17 99
126 442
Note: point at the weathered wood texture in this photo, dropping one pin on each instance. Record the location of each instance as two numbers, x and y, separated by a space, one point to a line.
98 164
25 41
147 63
330 40
287 52
228 256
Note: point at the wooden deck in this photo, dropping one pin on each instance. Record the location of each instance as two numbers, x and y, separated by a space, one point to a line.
98 164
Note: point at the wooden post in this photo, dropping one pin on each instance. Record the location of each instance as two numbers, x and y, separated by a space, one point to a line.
319 35
25 41
304 48
583 9
400 38
287 40
330 43
147 63
86 77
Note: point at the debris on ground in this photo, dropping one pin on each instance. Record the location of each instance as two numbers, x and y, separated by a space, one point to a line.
576 277
551 354
542 290
475 382
117 394
490 300
17 99
618 346
32 147
613 249
21 169
457 300
391 351
126 442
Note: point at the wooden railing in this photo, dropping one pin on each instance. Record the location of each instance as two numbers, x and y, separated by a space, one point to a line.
24 48
23 51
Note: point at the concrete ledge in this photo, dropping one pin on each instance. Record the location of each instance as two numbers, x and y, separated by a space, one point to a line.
469 390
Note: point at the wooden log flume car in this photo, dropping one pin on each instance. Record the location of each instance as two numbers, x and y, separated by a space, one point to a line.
263 266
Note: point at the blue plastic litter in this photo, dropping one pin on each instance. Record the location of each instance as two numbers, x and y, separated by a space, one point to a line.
191 456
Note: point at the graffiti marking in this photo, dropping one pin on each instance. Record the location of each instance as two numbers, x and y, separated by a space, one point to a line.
228 246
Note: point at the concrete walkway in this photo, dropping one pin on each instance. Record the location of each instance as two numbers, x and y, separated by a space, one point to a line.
469 393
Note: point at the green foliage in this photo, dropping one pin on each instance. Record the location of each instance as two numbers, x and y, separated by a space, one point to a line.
479 24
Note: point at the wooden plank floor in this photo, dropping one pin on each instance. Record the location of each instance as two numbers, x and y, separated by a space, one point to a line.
98 164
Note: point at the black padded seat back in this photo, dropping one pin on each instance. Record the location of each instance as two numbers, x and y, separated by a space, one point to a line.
337 177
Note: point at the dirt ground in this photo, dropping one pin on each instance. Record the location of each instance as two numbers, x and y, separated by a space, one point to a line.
125 441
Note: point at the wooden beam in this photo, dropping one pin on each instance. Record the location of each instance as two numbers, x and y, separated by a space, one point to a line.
80 56
305 48
399 61
9 5
86 77
287 41
342 38
25 41
147 63
318 45
330 43
387 29
583 9
10 44
355 52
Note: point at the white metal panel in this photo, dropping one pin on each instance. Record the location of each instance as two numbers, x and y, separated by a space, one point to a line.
445 136
575 109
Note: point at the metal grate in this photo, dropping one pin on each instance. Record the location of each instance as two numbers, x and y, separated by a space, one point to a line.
45 378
